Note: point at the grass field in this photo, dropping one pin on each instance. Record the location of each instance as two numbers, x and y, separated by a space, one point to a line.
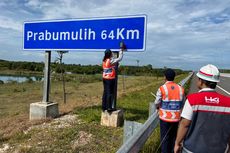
81 131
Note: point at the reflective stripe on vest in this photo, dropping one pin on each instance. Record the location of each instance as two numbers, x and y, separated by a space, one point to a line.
171 104
210 122
108 70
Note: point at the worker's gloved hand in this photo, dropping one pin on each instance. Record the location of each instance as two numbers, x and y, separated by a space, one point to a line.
123 46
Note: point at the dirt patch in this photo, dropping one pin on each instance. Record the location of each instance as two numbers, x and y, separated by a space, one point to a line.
58 123
15 124
83 139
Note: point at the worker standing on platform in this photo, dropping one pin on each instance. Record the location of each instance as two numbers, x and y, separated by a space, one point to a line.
169 101
205 124
109 77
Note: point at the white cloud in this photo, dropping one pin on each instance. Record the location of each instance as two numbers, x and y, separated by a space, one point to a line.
10 24
177 29
187 57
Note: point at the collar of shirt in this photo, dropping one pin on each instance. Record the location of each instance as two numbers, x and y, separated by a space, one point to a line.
168 82
206 89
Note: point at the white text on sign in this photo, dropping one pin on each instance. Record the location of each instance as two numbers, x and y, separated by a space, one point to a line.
83 34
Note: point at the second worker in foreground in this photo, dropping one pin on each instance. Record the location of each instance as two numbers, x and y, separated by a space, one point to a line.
169 100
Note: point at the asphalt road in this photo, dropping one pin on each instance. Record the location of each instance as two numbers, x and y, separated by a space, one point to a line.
193 87
223 86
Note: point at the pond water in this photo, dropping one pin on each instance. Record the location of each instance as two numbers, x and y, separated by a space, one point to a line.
19 79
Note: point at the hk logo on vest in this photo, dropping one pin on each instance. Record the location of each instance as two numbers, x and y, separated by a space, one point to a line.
212 100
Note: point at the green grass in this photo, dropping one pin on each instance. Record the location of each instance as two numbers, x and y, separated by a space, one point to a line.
136 108
89 114
135 103
153 142
16 98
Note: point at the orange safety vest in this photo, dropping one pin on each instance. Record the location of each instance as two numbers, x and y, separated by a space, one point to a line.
108 70
171 103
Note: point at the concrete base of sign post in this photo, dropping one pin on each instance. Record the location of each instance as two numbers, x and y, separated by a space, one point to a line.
113 119
43 110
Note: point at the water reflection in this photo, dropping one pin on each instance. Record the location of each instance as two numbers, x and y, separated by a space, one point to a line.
19 79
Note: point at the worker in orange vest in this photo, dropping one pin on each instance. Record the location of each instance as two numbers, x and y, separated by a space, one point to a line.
109 77
205 124
169 101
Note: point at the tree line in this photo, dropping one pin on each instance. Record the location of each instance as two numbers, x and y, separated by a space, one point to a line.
14 65
83 69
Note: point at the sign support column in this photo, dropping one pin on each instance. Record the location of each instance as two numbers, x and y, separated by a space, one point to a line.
46 87
45 108
114 103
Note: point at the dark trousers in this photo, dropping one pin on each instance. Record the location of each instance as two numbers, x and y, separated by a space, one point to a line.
108 94
168 132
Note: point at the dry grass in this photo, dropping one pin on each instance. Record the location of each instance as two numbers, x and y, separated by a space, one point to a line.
87 136
15 99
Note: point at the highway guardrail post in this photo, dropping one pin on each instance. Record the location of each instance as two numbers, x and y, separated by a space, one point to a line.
130 128
152 108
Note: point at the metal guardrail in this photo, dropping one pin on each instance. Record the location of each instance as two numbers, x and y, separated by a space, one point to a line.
182 82
136 142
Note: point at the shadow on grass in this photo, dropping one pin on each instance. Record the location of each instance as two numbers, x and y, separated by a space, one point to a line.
134 114
89 114
93 114
3 138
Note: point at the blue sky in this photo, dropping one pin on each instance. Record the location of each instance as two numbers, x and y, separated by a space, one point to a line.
184 34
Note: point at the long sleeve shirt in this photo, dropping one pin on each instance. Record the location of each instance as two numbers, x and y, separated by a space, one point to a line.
159 95
116 60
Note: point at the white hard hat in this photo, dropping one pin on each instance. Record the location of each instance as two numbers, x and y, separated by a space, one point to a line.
210 73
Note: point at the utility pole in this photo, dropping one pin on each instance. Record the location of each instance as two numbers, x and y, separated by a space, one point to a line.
60 53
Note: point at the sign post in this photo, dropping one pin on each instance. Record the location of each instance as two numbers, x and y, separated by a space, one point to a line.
45 109
46 87
114 102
